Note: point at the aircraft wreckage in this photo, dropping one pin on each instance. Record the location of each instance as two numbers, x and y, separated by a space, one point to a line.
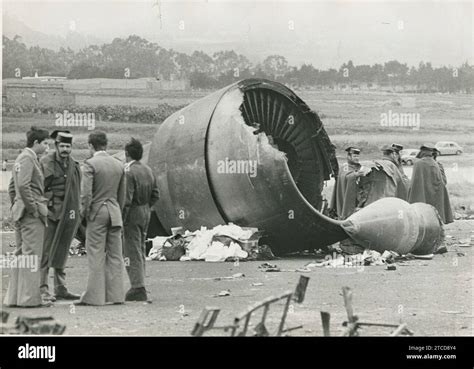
254 154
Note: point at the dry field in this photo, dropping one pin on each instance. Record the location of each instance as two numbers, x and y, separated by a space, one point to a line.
350 118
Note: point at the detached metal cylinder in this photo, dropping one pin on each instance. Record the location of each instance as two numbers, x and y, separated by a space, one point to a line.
394 224
253 154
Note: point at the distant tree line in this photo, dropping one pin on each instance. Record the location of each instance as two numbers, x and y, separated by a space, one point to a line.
135 57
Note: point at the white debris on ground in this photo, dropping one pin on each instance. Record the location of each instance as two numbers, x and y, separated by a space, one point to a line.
218 244
367 258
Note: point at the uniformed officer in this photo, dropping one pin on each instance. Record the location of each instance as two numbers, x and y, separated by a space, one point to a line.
385 178
346 190
62 176
428 183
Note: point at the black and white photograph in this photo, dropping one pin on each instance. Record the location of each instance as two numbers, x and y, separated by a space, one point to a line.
208 169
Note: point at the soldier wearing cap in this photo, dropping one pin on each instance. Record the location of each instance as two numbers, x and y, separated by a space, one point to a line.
62 180
385 178
345 195
428 185
397 149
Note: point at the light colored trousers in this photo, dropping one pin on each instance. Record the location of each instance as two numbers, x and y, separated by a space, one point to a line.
24 287
105 260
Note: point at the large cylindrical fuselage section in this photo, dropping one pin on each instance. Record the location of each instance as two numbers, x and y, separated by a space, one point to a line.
252 154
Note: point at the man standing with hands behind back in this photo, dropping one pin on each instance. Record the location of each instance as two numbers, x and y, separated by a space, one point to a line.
102 201
142 193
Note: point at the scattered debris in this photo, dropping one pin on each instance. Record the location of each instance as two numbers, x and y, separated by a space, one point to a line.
234 276
459 216
391 267
241 326
261 252
326 319
222 243
353 324
452 312
267 267
303 270
257 284
422 257
77 248
5 316
223 293
466 242
41 325
174 247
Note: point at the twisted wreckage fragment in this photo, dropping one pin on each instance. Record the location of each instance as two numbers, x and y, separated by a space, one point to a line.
254 154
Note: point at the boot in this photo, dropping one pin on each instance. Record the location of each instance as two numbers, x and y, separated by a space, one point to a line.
136 294
63 294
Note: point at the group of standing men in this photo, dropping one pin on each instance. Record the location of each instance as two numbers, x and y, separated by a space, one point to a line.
52 196
358 186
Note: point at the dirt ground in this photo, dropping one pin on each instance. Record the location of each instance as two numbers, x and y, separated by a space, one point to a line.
434 297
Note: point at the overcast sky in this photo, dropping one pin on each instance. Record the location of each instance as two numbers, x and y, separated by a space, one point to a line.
324 33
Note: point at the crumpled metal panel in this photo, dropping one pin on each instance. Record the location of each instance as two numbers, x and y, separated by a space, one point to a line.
262 124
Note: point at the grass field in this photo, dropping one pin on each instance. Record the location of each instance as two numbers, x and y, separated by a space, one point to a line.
14 129
349 118
356 119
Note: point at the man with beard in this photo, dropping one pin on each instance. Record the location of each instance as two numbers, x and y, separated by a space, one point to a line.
62 181
385 179
428 185
142 193
29 211
345 194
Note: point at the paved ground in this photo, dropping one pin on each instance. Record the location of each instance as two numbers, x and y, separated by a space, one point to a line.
434 297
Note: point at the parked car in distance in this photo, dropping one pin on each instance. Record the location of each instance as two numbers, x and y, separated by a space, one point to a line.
448 148
408 156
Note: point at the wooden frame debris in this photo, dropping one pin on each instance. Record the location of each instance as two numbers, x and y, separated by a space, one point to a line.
353 324
241 324
25 325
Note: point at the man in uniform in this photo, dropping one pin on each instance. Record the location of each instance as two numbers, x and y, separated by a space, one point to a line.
62 176
427 184
142 193
345 194
385 178
29 211
398 148
436 153
102 201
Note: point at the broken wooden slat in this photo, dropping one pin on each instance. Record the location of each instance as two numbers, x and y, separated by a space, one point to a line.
325 318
